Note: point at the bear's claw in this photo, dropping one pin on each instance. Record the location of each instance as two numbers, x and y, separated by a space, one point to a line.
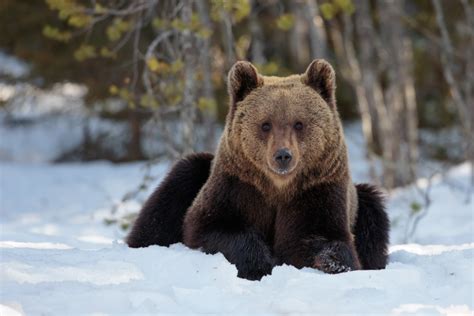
329 261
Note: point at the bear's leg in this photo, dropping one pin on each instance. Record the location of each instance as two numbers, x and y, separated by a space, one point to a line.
161 218
246 249
371 229
314 231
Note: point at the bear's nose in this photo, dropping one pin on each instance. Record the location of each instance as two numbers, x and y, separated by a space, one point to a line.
283 157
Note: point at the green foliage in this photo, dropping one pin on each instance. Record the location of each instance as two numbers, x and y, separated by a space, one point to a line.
124 222
113 90
241 46
164 68
238 9
99 9
148 101
160 23
65 8
55 34
177 66
241 9
415 208
123 93
116 29
207 105
346 6
204 32
330 9
107 53
84 52
285 21
177 24
79 20
153 64
71 11
271 68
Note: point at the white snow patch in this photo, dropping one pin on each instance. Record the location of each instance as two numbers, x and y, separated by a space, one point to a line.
33 245
13 310
12 66
6 91
99 273
96 239
420 309
429 249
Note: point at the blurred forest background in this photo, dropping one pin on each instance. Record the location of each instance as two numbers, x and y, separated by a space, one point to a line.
157 70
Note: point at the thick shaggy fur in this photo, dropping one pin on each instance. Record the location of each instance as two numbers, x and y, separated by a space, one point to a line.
258 215
161 218
371 228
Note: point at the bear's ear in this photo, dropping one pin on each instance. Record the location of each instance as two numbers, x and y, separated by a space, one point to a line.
243 78
321 77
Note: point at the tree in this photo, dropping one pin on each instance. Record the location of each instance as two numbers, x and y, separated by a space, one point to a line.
380 68
458 72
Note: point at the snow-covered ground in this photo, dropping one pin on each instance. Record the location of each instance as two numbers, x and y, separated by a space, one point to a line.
57 256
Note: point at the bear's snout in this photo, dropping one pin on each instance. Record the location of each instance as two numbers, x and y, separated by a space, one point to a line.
283 158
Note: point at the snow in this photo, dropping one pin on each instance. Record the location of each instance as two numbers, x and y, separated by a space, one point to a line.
449 220
57 256
12 66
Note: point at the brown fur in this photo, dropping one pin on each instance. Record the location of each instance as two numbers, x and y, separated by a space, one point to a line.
257 217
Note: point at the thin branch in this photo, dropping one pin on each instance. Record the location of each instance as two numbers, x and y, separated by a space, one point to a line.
135 7
136 51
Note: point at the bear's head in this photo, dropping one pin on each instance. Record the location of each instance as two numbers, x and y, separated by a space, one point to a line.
284 126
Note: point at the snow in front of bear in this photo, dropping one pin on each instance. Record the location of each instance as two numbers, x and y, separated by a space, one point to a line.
58 257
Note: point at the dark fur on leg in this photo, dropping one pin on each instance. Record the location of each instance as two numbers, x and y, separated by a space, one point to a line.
247 250
216 223
372 228
161 218
314 231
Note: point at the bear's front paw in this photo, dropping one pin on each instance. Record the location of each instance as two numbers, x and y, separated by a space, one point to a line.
255 267
328 261
254 272
335 259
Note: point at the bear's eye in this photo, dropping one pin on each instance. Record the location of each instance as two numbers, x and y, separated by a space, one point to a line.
266 127
298 126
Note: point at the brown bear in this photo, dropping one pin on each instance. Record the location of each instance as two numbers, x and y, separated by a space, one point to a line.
278 190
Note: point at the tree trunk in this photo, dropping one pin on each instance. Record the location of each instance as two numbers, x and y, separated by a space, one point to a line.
317 36
228 39
400 92
411 113
135 143
350 69
188 113
298 44
366 36
463 102
257 55
209 115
